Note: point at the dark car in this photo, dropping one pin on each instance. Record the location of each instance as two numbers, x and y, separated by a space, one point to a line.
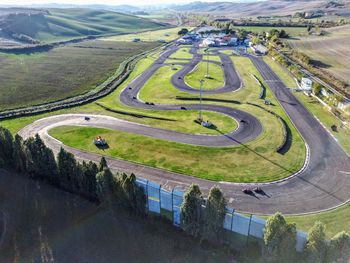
247 191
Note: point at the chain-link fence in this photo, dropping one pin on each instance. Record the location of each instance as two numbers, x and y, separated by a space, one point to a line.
239 227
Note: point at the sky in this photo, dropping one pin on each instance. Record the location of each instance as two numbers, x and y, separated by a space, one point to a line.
104 2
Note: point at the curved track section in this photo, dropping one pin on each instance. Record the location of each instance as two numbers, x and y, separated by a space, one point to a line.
323 184
232 80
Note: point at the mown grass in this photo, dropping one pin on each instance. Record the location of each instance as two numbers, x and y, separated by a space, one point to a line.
182 53
315 107
335 220
216 78
61 72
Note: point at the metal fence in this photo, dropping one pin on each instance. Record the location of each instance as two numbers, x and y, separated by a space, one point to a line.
168 204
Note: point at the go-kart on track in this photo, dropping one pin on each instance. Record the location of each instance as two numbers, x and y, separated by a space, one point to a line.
323 183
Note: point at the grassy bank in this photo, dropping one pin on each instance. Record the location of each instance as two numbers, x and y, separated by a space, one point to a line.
315 107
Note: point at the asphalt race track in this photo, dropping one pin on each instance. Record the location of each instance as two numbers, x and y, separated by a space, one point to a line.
323 183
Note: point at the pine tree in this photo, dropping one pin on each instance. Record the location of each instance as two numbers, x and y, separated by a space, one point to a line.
103 164
316 246
41 161
280 240
89 171
6 147
105 185
135 198
191 211
339 248
19 154
214 214
69 171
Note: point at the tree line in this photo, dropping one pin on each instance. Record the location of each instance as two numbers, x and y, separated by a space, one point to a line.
95 182
201 218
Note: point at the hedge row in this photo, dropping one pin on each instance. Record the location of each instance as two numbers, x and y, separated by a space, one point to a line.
263 89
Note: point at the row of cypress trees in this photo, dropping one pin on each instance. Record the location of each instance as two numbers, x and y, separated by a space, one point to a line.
95 182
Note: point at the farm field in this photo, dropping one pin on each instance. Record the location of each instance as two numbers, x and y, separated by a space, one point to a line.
62 72
315 107
332 50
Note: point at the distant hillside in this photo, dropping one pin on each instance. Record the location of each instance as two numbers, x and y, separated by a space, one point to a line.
271 7
35 25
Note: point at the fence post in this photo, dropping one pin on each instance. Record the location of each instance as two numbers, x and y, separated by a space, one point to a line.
250 222
233 211
160 200
172 206
147 197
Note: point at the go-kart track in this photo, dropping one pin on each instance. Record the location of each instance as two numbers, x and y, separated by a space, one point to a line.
323 182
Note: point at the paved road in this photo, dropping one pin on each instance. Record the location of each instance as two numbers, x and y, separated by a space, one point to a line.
323 184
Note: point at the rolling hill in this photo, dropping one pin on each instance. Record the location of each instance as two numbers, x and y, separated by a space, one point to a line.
51 25
271 7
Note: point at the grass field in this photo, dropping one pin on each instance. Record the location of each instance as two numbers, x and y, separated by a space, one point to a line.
315 107
65 24
168 34
292 31
332 50
216 79
182 53
61 72
335 220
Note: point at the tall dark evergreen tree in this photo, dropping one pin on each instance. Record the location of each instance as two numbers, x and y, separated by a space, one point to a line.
135 200
6 147
214 214
89 172
103 164
191 209
19 154
41 161
70 174
105 185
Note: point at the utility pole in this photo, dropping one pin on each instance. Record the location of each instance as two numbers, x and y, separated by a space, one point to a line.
207 75
200 99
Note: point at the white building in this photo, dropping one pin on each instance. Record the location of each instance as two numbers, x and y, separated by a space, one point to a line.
306 86
208 42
